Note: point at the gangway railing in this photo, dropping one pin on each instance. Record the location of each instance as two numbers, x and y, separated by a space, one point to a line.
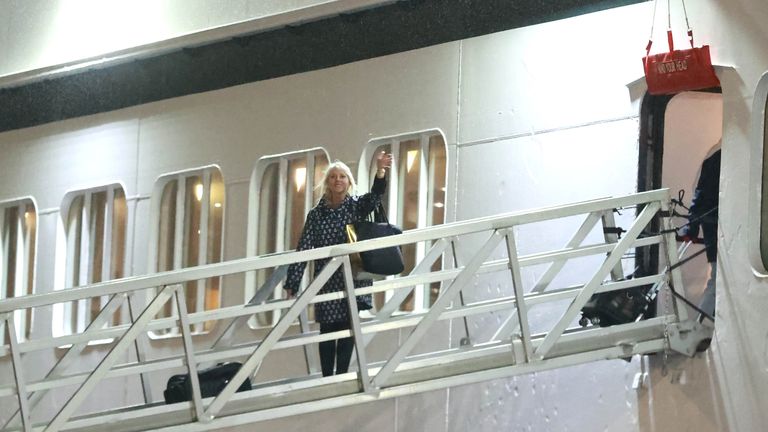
492 248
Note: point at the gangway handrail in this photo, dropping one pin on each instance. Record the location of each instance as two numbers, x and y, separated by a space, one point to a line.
370 327
242 265
272 305
529 348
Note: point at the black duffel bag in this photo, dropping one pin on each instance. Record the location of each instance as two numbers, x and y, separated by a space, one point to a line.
384 261
212 382
617 307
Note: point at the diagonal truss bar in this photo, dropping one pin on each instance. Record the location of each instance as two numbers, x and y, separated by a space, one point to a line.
575 241
609 223
517 285
386 311
274 335
65 361
106 363
422 267
506 328
354 321
140 346
18 372
438 307
467 338
591 287
310 358
189 350
260 297
510 324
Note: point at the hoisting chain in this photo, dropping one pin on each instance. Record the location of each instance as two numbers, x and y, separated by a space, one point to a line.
668 295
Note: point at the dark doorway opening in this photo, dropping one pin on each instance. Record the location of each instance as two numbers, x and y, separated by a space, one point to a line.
654 166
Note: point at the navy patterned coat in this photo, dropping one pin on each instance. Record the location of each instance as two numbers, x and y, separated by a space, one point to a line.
325 227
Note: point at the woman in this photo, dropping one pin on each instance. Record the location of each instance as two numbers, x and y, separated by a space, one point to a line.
325 226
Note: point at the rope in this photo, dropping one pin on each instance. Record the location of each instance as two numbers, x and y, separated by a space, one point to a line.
679 202
686 301
679 263
674 292
653 20
680 198
652 293
696 219
687 24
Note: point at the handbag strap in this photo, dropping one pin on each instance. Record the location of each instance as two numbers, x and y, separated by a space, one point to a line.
379 214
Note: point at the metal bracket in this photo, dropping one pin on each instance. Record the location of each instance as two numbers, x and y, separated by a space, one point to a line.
518 349
614 230
685 337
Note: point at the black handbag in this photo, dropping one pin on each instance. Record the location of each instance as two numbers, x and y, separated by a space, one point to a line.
384 261
212 382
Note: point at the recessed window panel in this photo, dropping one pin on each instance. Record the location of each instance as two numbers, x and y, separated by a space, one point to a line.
18 239
764 200
286 188
436 199
296 191
415 198
189 227
267 231
95 223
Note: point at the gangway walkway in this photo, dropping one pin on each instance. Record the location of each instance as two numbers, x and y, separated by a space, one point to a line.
516 347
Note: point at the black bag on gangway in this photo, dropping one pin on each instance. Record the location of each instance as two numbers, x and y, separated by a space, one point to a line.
617 307
212 382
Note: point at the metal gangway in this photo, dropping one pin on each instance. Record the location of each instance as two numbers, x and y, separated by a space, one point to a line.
488 246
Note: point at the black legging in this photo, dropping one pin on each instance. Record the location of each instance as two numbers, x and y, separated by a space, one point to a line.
339 350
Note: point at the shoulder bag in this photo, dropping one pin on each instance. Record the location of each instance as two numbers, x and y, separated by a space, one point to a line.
384 261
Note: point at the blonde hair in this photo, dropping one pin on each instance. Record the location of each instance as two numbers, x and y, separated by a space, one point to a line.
341 166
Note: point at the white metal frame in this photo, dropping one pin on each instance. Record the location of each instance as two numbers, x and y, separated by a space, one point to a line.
21 284
403 372
85 256
756 192
282 209
180 240
395 204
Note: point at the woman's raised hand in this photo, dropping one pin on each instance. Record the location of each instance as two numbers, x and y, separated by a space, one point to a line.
383 161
